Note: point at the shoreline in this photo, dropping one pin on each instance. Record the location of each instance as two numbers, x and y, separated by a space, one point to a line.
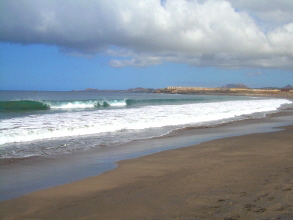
256 182
27 175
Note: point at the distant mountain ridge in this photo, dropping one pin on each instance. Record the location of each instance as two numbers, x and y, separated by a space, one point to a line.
288 87
242 86
150 90
238 86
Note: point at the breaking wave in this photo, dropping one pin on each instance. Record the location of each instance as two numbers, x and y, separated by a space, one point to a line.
29 105
23 105
43 126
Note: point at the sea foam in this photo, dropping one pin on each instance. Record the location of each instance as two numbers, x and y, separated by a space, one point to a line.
65 124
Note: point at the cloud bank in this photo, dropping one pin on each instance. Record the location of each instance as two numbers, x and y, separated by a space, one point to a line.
139 33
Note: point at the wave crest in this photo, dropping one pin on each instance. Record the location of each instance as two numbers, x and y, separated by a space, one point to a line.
23 105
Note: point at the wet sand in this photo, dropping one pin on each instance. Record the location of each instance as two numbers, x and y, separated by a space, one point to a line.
245 177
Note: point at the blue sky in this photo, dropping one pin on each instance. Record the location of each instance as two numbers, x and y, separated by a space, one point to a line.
66 45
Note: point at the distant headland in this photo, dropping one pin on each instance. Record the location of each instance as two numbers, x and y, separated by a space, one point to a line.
229 89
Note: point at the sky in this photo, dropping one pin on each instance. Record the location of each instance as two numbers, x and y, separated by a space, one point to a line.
119 44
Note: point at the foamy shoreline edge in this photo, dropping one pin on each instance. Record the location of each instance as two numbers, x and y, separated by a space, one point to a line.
157 179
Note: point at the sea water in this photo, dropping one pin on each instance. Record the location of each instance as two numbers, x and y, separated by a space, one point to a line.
51 123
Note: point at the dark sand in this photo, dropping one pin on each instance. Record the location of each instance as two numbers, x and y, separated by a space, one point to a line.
245 177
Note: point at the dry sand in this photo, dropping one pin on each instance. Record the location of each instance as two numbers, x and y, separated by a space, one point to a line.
246 177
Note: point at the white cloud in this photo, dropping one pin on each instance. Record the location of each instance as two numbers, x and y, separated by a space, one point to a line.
271 13
242 33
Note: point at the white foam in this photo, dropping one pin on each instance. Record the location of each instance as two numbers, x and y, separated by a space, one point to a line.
73 105
84 104
36 127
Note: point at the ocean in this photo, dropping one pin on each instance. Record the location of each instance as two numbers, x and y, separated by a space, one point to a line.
40 123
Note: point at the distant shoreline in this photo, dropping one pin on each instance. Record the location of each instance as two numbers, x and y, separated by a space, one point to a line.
232 91
276 92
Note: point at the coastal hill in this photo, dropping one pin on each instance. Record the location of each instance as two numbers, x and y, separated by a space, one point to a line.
234 89
240 86
288 87
230 89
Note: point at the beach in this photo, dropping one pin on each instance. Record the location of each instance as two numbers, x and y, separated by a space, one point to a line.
241 177
146 110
